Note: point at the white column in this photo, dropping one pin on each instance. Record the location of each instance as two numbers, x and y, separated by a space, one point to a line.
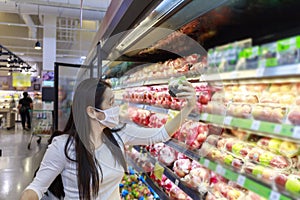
49 42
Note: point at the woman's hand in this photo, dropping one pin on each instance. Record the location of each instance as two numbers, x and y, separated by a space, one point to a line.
187 92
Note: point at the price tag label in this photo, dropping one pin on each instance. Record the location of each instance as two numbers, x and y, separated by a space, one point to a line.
241 180
220 170
260 71
206 163
202 78
296 132
274 195
298 70
204 116
255 125
227 120
277 128
234 74
176 182
158 171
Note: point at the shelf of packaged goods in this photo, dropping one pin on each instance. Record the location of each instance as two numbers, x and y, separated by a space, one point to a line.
160 169
243 181
163 81
264 72
192 116
229 174
148 181
281 130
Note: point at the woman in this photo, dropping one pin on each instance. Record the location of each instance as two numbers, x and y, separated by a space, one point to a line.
89 156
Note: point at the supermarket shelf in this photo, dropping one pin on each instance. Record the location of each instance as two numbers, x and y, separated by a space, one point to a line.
277 130
152 82
268 72
192 116
148 180
229 174
243 181
195 195
281 130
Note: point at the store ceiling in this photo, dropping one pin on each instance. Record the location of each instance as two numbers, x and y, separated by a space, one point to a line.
21 25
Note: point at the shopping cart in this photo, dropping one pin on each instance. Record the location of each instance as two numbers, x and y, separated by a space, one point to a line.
42 125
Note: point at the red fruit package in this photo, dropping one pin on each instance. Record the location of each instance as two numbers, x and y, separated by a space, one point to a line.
193 134
167 155
182 167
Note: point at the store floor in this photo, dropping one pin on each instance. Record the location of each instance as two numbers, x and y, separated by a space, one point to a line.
17 163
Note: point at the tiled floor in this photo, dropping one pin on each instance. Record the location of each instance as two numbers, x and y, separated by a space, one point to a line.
17 163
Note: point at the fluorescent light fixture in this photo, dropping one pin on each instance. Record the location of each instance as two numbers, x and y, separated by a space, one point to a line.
163 9
83 57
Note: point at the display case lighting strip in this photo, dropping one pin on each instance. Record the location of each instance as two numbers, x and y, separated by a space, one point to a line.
162 10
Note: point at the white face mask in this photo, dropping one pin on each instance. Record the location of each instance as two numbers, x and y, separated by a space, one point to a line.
111 117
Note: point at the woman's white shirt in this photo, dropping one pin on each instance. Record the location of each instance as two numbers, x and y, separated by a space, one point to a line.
55 162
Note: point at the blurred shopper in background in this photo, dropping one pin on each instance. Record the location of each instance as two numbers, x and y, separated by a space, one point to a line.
25 106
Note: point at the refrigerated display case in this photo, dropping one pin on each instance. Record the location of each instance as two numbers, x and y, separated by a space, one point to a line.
243 61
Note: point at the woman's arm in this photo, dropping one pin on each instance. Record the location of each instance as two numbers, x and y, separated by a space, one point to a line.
134 135
29 195
52 164
188 93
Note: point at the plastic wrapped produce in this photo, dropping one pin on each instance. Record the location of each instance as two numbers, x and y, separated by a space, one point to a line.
174 85
197 177
155 149
228 192
237 147
182 167
242 98
215 108
289 183
269 113
269 159
285 148
294 115
265 174
167 155
239 110
193 134
233 161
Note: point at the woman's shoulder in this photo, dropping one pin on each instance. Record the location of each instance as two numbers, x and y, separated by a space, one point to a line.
60 139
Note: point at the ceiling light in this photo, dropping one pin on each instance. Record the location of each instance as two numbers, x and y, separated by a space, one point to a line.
8 65
38 45
83 57
8 73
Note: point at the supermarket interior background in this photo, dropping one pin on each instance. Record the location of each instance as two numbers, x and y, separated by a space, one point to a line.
242 56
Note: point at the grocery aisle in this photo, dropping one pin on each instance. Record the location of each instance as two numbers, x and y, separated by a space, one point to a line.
17 163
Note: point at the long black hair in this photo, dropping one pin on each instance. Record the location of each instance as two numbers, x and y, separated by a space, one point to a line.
88 93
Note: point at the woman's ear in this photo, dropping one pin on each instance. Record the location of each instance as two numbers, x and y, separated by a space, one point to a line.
90 111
